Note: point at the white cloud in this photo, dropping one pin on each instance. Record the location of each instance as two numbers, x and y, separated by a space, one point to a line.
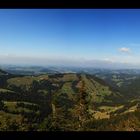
125 50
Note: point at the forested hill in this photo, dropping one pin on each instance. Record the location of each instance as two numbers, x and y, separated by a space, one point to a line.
70 102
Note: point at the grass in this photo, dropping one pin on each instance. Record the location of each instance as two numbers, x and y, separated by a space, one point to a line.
131 109
101 115
69 77
26 80
67 88
110 109
134 100
97 91
103 112
5 91
12 107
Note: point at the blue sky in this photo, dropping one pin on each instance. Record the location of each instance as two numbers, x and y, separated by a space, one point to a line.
70 36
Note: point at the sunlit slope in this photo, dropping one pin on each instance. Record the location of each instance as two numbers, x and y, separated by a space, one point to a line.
97 89
38 102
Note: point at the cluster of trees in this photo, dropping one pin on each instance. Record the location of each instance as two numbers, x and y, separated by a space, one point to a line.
68 114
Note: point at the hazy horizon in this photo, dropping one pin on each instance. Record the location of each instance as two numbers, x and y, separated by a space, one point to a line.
102 38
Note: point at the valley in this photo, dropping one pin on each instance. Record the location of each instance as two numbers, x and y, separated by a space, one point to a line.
76 101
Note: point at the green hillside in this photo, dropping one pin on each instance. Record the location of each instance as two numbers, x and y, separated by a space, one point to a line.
61 102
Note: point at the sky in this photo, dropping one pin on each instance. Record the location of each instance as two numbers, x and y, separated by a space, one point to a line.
74 37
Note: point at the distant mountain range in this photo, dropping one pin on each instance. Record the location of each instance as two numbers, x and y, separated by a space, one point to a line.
35 70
